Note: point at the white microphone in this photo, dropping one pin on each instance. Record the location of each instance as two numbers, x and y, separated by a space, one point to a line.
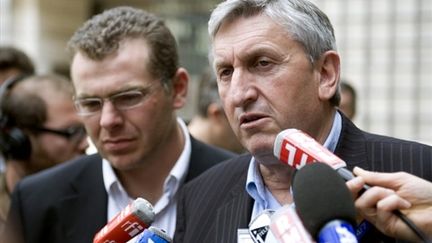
127 224
259 227
287 227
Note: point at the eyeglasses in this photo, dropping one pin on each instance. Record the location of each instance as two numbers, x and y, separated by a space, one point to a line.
76 132
121 101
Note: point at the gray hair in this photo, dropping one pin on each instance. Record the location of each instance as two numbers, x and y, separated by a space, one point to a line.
303 21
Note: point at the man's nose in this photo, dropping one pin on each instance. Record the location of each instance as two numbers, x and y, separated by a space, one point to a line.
109 115
242 88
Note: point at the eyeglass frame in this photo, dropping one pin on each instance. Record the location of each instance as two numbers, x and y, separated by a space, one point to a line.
144 91
68 133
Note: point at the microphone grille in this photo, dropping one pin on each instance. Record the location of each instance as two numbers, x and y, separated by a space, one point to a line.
320 196
143 210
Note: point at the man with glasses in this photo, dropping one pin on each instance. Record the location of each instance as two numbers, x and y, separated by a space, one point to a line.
128 87
39 128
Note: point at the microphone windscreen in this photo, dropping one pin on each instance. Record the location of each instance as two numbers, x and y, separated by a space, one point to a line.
320 196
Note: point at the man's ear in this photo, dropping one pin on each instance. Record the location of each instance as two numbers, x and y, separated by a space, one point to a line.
180 88
329 65
214 111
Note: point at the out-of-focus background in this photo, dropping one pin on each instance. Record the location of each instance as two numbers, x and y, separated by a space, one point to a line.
386 49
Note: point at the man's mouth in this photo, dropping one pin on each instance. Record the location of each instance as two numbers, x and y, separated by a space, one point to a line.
249 118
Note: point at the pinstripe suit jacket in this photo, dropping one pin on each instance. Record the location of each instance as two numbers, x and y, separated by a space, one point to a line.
213 206
68 203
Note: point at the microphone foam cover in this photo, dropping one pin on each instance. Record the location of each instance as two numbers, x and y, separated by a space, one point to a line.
320 196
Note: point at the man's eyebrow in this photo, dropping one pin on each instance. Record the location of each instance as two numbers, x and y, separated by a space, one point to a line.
221 63
122 90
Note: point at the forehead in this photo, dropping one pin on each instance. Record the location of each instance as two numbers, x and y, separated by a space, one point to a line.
130 51
247 35
129 64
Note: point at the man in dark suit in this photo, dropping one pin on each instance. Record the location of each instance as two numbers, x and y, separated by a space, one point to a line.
277 68
128 86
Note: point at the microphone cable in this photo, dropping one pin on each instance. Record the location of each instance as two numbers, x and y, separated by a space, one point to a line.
423 237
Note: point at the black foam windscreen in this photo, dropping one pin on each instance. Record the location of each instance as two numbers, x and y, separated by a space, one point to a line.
321 196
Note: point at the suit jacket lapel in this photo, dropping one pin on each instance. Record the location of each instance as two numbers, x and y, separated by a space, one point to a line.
352 146
85 208
234 214
203 157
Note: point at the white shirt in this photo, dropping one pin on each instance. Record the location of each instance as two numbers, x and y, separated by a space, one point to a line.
166 207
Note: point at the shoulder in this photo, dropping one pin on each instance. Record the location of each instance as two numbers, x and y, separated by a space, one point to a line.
208 151
203 157
383 153
61 175
224 174
352 134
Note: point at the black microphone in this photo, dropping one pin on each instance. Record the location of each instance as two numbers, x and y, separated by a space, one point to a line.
324 203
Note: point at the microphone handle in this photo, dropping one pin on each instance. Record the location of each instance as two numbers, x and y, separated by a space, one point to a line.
348 175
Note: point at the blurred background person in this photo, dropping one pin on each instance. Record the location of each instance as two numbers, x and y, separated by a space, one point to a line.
13 62
348 101
39 128
210 124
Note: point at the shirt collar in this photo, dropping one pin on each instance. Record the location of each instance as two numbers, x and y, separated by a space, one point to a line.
255 186
179 171
171 185
333 137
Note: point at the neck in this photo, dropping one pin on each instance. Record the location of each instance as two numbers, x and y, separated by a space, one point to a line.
148 179
15 171
324 125
199 129
277 179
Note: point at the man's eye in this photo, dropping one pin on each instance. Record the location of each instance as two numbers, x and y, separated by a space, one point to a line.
90 104
224 73
263 63
128 99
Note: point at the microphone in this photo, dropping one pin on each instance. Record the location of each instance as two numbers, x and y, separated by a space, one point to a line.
259 227
128 223
287 227
296 149
324 203
154 235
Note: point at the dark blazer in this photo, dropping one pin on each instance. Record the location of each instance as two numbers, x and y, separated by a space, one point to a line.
68 203
213 206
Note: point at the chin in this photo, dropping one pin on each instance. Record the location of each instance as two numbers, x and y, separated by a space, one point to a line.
263 153
120 162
